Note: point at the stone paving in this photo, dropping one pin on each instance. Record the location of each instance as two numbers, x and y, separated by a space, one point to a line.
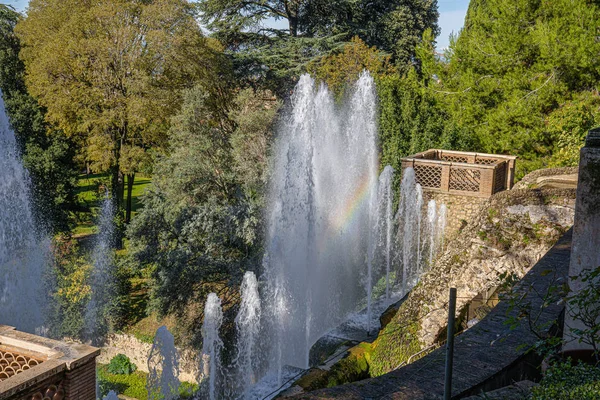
488 356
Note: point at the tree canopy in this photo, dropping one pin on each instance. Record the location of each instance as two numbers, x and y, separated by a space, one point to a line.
313 29
110 74
47 153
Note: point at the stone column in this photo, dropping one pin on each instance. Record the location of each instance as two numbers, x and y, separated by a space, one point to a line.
585 250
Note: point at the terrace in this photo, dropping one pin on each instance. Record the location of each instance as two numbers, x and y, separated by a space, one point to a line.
462 173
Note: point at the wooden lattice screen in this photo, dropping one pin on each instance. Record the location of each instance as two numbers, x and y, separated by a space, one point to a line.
472 174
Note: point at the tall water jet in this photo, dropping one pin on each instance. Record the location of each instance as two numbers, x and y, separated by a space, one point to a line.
247 323
163 367
212 346
318 213
102 280
418 212
432 228
111 395
386 201
407 215
441 228
23 249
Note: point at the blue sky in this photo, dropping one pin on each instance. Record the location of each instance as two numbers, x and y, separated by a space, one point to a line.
452 16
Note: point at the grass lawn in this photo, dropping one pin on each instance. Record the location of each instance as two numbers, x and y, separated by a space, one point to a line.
90 191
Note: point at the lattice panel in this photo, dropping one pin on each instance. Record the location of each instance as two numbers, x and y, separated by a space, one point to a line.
454 158
465 179
428 176
500 180
12 363
486 161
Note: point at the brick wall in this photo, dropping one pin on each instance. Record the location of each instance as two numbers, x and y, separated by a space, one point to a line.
80 382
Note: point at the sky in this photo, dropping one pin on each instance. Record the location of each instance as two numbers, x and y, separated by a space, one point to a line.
452 16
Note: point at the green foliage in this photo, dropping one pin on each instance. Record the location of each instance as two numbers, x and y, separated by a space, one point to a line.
395 343
514 64
70 273
584 307
566 381
569 125
48 155
133 385
352 368
254 116
200 227
393 27
341 69
110 74
275 57
121 365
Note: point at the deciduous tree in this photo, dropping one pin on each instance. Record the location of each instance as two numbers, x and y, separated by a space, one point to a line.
110 74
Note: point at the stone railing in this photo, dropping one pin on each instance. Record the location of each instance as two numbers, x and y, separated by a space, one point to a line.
457 172
37 368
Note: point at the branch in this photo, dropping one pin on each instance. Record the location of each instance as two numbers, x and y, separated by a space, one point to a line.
534 91
463 91
259 4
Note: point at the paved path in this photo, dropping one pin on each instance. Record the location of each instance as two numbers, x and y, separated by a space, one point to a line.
488 356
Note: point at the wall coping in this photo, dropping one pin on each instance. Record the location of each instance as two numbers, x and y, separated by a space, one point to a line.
56 356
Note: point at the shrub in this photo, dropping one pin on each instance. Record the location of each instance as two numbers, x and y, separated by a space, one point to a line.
564 381
121 365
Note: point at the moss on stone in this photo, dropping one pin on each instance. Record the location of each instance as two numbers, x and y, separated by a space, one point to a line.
395 343
352 368
314 379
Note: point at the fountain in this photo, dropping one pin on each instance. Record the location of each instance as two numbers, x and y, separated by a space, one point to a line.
331 235
102 278
163 367
23 249
318 213
247 323
211 347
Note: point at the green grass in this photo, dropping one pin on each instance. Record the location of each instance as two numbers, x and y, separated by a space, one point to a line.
133 385
91 190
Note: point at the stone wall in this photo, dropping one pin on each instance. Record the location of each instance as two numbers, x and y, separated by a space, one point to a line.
138 352
461 209
486 357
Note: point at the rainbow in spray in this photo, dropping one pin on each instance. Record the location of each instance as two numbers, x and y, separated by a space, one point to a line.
341 220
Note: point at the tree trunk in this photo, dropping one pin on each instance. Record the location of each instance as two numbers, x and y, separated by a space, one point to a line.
291 9
293 26
130 179
117 190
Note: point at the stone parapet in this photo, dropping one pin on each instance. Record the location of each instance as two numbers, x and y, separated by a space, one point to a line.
586 238
36 368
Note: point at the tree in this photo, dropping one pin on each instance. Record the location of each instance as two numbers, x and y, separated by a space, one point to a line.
110 75
47 154
200 227
314 29
341 69
513 64
395 27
